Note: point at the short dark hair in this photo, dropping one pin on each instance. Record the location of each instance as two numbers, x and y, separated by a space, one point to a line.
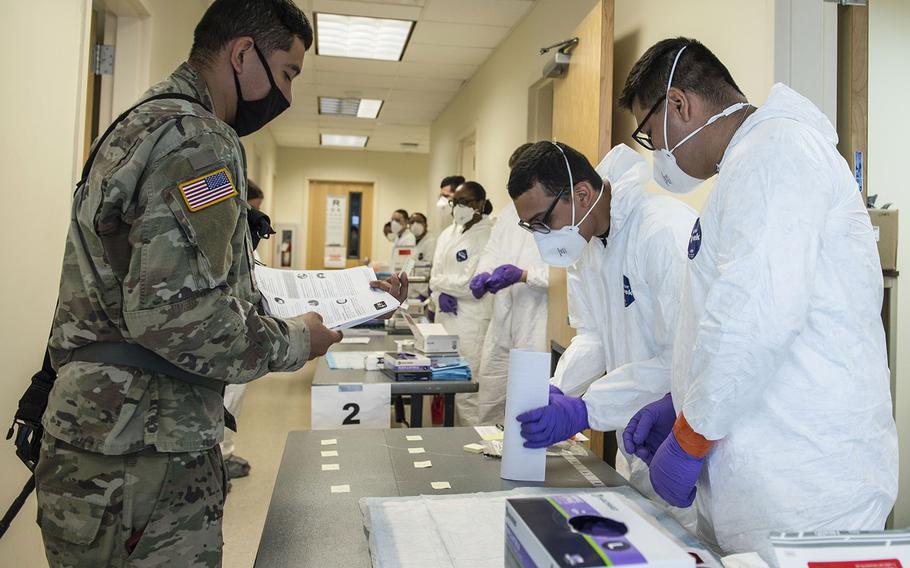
387 228
273 25
479 193
454 181
698 70
513 159
403 213
420 217
253 191
543 163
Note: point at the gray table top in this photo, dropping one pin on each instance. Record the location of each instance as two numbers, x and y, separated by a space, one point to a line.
308 525
326 376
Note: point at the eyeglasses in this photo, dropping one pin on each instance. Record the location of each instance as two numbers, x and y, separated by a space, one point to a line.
541 226
645 139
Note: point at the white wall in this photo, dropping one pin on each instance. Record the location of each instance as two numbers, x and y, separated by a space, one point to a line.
494 103
739 32
41 109
400 181
889 83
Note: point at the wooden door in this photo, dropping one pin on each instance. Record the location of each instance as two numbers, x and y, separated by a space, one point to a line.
582 118
340 212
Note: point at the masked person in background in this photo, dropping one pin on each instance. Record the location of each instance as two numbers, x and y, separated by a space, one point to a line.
387 232
447 189
454 265
625 250
423 251
404 238
512 271
780 412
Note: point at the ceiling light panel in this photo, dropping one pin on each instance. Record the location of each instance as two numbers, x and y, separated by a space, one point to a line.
343 140
361 108
361 37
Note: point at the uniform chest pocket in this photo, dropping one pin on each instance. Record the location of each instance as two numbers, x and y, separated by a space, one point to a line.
210 231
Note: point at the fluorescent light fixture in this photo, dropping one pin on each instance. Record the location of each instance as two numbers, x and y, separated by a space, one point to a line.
362 37
343 140
369 108
361 108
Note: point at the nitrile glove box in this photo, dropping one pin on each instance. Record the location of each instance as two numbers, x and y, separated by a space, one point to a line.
585 530
432 338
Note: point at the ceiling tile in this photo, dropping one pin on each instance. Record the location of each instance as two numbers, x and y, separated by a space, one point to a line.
465 35
504 13
430 53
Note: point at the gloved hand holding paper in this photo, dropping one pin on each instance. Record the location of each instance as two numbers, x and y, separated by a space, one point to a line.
529 388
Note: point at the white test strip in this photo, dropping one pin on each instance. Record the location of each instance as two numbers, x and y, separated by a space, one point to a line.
341 489
329 442
331 467
440 485
584 471
473 448
416 451
414 438
423 464
329 453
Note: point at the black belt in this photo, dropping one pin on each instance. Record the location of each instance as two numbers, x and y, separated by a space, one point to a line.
133 355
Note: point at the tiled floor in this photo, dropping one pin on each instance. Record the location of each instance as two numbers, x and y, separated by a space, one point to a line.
272 407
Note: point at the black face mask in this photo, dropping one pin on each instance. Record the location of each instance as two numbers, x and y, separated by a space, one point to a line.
253 115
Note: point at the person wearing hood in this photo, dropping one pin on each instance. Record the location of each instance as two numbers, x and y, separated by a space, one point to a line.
780 377
625 250
513 272
403 237
454 265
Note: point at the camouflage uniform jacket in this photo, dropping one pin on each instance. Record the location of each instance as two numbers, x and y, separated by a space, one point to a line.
141 266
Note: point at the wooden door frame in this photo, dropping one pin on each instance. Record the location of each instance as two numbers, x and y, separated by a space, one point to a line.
314 224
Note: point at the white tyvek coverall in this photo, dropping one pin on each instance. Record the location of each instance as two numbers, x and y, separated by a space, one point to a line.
454 265
623 302
519 317
780 353
423 253
405 239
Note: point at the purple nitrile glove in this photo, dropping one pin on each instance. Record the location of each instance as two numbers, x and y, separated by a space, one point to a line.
649 428
555 390
674 473
478 284
503 277
448 304
561 419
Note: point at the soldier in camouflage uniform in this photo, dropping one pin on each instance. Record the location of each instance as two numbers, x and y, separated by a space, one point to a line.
130 472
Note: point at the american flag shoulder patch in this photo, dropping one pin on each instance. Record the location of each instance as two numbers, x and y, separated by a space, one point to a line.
204 191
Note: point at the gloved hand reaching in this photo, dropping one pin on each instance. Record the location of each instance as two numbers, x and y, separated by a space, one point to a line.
677 464
555 390
478 284
649 427
448 304
561 419
503 277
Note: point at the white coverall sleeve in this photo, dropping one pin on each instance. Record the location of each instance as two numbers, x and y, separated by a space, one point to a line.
491 257
583 361
613 399
767 242
538 275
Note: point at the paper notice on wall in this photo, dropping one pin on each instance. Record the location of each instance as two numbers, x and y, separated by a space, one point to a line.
335 206
342 297
529 388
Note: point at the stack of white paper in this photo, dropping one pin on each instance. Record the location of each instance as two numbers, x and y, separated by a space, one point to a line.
342 297
529 388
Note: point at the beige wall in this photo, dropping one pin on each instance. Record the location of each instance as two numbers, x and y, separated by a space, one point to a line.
41 103
889 49
494 103
400 182
173 22
739 32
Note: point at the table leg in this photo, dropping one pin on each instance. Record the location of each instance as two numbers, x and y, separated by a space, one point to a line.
416 410
449 410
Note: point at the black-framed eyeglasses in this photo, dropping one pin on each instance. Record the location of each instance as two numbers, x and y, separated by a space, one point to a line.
540 226
645 139
460 201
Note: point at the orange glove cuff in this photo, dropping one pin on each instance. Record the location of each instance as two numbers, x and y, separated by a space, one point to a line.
689 440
